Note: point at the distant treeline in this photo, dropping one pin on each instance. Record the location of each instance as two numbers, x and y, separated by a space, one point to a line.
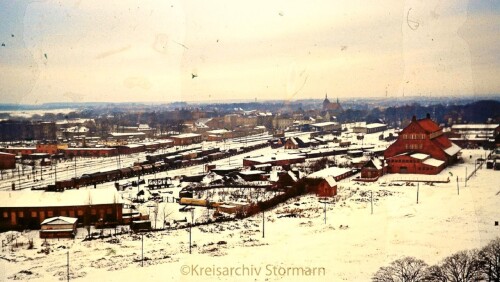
476 112
158 116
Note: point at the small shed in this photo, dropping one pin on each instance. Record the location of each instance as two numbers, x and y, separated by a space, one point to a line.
327 187
373 169
140 225
58 227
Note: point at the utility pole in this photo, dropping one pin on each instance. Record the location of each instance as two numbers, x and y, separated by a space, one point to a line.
263 224
19 177
418 188
75 166
190 228
324 210
142 260
371 199
67 264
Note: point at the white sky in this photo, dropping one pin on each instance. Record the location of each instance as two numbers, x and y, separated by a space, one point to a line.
118 51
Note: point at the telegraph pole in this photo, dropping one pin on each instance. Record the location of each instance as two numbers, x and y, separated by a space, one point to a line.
19 178
67 264
324 210
190 228
263 223
371 199
418 188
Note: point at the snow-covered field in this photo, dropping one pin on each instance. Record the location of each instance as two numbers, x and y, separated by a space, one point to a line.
351 246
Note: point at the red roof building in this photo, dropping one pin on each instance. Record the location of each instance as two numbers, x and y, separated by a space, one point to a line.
421 148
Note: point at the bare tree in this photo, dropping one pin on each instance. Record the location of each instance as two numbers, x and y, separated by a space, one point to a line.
407 269
463 266
489 258
166 212
87 221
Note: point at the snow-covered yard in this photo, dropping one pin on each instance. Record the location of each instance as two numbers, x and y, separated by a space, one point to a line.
351 246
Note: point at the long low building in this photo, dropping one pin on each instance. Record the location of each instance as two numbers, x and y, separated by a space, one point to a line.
337 173
369 128
28 209
89 152
275 160
326 126
186 139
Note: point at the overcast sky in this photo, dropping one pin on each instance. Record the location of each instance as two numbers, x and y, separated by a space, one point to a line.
164 51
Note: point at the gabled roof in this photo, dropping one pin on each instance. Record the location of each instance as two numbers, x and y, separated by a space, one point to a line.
59 220
331 181
433 162
81 197
293 176
452 150
428 125
331 171
419 156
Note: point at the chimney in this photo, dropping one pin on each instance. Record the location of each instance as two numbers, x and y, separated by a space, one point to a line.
414 118
428 116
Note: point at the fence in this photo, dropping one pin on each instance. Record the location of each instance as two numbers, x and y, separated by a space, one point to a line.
478 166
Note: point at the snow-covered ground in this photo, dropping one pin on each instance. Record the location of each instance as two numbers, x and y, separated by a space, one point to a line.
351 246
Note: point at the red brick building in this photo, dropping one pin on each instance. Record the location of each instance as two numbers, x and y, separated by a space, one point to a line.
186 139
89 152
421 148
28 209
327 187
284 160
373 169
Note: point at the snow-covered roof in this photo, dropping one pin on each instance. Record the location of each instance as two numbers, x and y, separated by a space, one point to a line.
323 124
251 172
88 149
262 165
80 197
361 159
293 176
331 171
433 162
375 125
377 163
452 150
331 181
133 145
76 129
218 131
120 134
275 157
475 126
186 135
20 148
59 220
419 156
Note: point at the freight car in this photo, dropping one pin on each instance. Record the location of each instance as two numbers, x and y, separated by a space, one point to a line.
171 160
